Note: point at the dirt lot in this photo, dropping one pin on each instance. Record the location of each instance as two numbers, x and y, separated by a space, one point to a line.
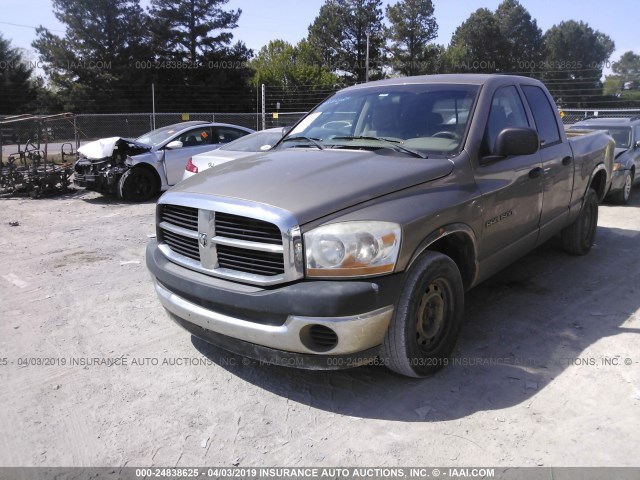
93 372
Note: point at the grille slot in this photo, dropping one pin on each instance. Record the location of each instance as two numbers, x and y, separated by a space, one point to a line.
183 245
250 261
248 229
185 217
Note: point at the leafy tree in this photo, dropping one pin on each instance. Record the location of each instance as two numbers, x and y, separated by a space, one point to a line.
477 45
290 67
626 75
93 65
18 90
523 39
340 31
575 55
412 27
507 40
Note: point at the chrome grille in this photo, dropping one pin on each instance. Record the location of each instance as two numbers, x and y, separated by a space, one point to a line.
250 261
249 229
185 217
221 237
181 244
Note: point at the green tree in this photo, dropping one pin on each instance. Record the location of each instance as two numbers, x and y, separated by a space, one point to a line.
626 75
189 30
575 56
93 66
340 31
477 45
291 67
411 27
18 89
523 39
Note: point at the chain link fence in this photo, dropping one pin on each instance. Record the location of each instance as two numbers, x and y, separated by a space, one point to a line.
58 135
572 115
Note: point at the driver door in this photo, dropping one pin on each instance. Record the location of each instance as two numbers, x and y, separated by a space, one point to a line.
194 141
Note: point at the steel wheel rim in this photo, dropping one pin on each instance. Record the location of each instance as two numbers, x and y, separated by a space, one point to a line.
627 187
431 315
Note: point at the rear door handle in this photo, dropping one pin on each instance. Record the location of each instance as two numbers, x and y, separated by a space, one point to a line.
535 173
567 161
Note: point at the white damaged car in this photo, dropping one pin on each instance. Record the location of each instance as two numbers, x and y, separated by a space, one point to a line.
139 169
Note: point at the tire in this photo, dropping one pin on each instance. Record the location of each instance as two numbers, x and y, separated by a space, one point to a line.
578 237
137 185
427 318
622 196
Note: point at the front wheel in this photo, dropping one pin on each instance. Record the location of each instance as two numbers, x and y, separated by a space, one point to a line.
622 197
578 237
137 185
427 319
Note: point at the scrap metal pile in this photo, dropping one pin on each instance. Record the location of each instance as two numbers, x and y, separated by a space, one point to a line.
29 171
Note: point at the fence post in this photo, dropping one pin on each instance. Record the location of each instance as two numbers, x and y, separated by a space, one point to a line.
264 113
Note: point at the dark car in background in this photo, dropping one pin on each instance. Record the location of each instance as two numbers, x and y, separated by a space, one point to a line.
626 133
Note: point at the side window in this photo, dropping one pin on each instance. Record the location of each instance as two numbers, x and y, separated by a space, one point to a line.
196 137
227 134
507 110
543 114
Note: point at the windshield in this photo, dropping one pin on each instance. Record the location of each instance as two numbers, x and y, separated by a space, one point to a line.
621 135
254 142
428 118
156 137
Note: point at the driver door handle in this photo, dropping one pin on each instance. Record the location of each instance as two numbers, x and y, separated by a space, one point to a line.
535 173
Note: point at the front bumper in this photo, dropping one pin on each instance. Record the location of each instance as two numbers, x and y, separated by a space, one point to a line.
279 321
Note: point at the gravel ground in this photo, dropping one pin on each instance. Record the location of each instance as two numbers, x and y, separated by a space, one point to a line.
95 374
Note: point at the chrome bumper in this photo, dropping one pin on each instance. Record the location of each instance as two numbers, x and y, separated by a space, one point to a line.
355 333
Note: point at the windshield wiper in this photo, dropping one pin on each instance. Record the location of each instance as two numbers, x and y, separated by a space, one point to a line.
313 141
395 144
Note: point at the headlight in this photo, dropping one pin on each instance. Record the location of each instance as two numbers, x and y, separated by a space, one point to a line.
352 249
617 166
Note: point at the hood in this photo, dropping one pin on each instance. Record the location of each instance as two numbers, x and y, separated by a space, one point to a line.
106 147
312 183
620 151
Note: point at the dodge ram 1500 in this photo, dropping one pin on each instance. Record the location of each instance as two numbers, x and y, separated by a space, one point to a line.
355 238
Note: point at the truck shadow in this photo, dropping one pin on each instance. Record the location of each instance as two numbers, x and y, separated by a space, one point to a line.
522 328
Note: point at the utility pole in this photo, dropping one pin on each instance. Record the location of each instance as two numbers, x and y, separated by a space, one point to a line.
366 72
264 112
153 104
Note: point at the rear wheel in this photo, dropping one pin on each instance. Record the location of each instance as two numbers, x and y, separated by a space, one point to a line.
427 319
137 185
578 237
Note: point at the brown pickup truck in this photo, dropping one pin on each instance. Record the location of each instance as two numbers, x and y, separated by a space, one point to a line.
354 239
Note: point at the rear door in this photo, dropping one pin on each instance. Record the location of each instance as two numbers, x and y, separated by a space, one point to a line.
557 160
511 187
194 141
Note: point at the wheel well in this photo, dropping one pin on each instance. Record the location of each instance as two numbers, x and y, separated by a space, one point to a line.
459 247
633 173
153 171
599 183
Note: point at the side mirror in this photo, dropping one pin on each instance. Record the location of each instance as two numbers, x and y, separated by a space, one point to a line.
173 145
637 144
514 141
285 130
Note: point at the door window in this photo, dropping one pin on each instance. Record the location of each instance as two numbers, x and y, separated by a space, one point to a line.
543 114
227 134
507 110
196 137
